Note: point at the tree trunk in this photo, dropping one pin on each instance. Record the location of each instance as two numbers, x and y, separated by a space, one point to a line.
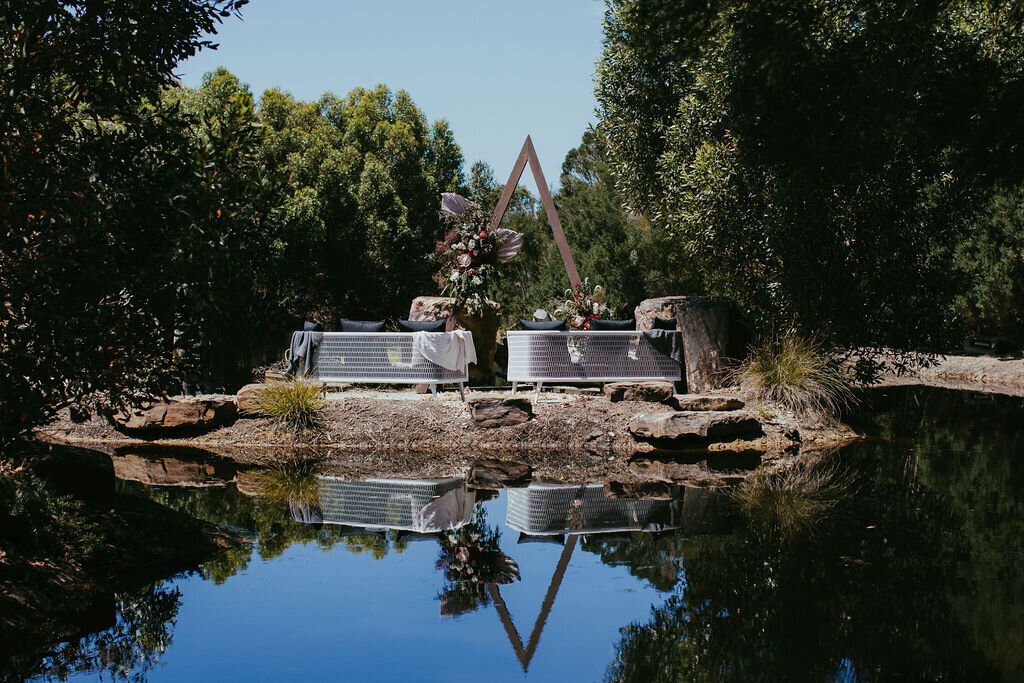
706 324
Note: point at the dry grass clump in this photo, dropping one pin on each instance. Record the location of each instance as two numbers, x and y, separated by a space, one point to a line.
797 374
793 501
296 404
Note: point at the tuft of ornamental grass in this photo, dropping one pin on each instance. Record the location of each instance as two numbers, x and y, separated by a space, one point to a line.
791 502
796 374
297 404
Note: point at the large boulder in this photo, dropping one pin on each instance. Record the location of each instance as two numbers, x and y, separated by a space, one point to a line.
654 392
691 428
698 402
248 400
179 414
484 328
500 412
710 335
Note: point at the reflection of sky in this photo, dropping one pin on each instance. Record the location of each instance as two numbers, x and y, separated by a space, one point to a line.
335 615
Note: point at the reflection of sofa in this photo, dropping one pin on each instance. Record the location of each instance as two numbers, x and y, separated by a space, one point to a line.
423 506
552 509
386 358
605 356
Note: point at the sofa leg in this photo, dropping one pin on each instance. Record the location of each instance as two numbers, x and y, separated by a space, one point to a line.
462 391
540 385
433 389
515 385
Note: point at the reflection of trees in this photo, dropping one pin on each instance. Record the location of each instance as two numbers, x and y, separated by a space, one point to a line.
654 557
917 577
471 558
141 632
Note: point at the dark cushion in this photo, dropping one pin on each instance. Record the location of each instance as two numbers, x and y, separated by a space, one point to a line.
311 327
423 325
664 324
361 325
542 324
609 325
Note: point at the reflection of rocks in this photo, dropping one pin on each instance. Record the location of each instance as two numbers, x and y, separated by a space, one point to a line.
653 392
683 428
647 490
500 412
705 510
153 468
179 414
496 474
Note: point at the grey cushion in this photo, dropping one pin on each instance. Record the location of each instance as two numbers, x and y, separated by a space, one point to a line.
361 325
609 325
311 327
542 324
423 325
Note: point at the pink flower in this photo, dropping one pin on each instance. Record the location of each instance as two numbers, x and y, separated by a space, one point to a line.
465 260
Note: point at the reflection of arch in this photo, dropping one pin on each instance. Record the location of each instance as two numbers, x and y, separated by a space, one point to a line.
555 509
529 154
546 509
424 506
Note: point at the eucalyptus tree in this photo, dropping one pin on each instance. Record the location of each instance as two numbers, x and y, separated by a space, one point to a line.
817 161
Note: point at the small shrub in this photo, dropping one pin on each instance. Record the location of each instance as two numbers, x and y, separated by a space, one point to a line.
298 404
796 374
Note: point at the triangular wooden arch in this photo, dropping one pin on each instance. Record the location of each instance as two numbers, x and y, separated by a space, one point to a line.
525 655
529 154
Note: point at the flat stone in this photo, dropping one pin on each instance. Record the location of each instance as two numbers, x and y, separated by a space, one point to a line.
702 403
495 474
688 427
654 392
500 412
180 414
641 490
247 400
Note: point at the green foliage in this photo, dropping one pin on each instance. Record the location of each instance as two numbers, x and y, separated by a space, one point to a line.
90 163
796 374
815 161
362 174
991 260
296 404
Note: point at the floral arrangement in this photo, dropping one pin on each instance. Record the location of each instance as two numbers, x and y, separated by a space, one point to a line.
582 305
470 253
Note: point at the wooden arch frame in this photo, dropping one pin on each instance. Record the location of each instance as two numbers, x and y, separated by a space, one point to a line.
529 154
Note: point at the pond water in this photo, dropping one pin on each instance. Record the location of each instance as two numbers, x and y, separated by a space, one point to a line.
898 557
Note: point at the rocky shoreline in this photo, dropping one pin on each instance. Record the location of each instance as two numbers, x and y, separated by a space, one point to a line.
563 436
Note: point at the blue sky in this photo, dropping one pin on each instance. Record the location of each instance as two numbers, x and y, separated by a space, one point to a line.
496 71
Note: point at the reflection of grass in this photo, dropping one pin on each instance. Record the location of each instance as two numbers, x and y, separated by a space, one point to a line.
797 374
790 502
293 482
296 404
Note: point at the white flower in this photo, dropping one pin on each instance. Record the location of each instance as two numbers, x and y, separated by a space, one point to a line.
477 281
472 244
454 276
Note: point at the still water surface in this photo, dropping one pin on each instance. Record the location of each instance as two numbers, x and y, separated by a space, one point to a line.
897 558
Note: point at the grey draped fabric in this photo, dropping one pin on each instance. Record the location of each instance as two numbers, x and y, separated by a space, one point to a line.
668 342
303 347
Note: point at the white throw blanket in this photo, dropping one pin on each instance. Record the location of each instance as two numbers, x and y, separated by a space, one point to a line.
450 350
